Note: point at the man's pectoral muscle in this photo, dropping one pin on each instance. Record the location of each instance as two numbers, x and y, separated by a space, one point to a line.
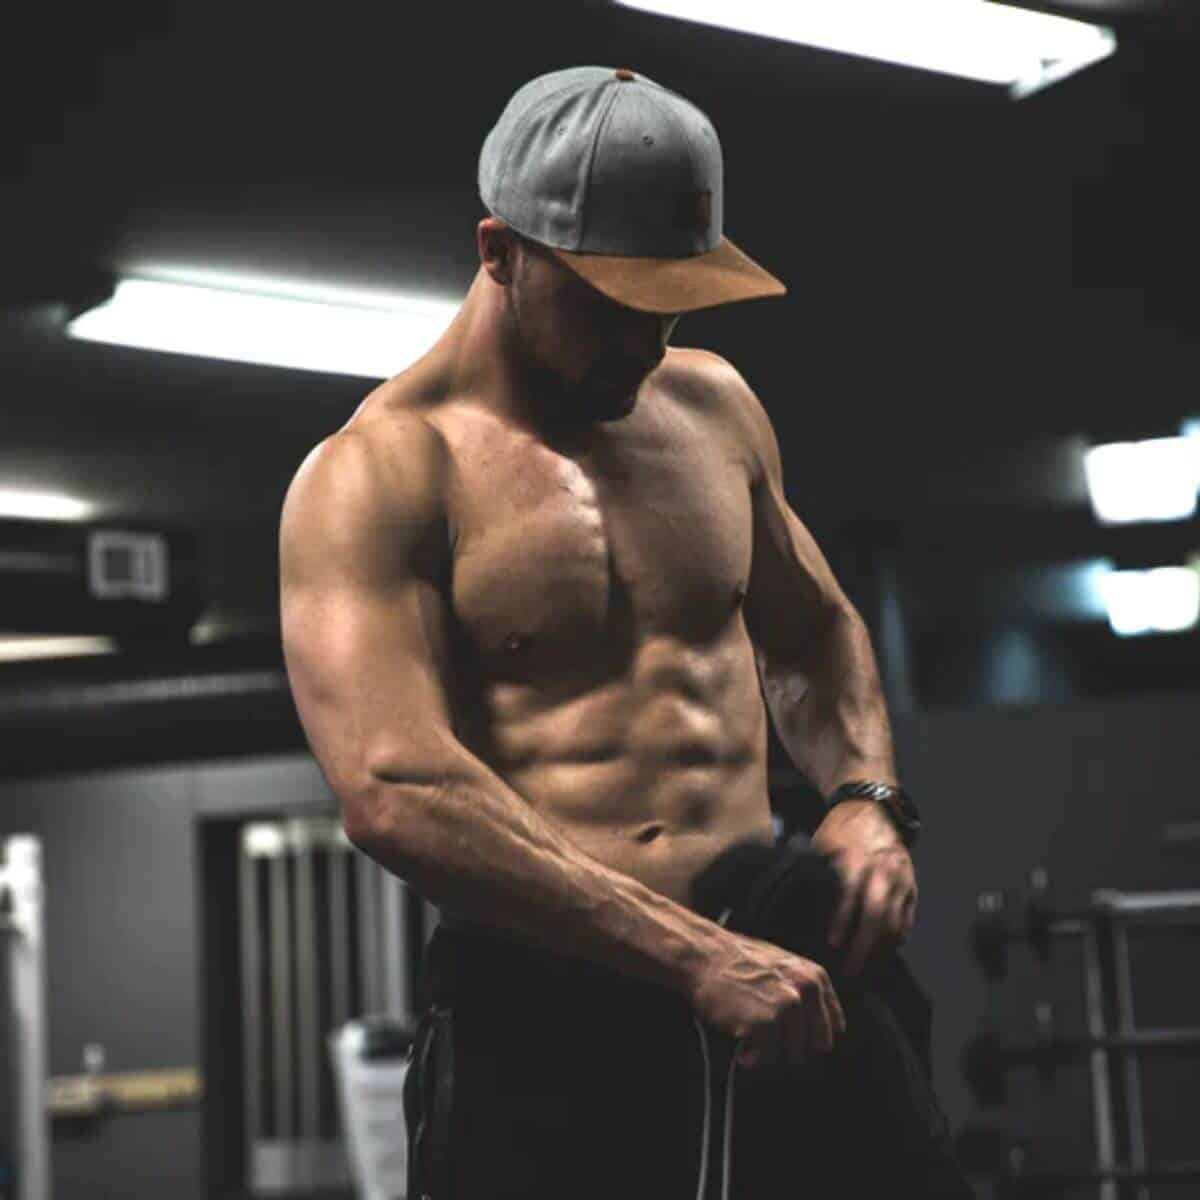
365 646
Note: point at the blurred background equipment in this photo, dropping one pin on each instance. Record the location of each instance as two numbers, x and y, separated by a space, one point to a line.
371 1058
328 940
128 581
22 945
1112 1044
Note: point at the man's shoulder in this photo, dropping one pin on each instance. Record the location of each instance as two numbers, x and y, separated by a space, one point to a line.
397 415
405 444
709 383
387 459
708 380
700 373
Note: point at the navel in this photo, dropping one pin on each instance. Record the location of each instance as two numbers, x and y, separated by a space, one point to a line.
648 834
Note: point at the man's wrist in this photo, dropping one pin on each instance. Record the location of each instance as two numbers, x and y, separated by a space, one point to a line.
894 801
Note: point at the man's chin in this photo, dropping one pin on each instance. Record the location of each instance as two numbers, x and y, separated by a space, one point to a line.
610 403
612 410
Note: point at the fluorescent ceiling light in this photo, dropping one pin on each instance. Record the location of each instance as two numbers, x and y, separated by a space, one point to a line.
29 649
1067 591
282 325
1154 480
1161 600
995 43
48 506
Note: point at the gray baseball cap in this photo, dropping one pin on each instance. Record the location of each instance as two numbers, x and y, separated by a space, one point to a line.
623 180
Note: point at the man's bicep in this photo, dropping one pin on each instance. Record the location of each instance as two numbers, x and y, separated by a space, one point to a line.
792 591
364 623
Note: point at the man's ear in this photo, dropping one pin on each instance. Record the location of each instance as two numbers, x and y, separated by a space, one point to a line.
497 249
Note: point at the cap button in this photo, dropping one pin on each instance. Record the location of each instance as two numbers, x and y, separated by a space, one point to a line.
624 74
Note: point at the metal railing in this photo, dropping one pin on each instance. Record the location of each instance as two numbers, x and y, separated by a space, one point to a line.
326 936
22 939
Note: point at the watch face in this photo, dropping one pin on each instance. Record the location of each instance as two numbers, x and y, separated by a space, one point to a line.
894 800
903 812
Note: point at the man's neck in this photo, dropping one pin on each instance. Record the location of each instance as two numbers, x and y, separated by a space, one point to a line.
479 360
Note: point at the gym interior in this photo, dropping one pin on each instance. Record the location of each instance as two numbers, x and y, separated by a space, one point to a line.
982 380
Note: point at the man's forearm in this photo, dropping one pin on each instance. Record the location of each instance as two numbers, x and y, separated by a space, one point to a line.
830 712
472 844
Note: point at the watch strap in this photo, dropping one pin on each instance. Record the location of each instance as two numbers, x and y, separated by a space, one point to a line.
895 801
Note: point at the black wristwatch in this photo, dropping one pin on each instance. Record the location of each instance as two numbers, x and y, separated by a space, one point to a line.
895 801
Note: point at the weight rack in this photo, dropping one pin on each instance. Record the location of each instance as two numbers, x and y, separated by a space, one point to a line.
1103 926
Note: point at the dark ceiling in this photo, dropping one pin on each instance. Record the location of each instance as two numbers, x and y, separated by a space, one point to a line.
977 286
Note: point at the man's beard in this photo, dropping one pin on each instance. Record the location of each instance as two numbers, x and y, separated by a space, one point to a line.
609 397
606 392
600 395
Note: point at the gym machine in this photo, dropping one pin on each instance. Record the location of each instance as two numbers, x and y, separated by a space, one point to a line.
328 939
1112 1044
22 939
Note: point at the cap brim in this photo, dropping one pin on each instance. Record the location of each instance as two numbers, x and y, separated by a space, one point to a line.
675 285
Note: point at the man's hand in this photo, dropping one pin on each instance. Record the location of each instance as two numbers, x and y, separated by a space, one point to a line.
878 880
780 1008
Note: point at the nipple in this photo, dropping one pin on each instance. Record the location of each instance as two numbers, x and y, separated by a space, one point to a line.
739 593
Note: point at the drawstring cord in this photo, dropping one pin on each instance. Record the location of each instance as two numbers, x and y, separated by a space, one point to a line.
708 1082
700 1187
728 1126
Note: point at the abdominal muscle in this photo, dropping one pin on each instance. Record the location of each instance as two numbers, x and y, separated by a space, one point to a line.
652 774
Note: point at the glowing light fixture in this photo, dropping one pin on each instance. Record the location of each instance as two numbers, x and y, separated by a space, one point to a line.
31 649
276 324
263 840
995 43
1161 600
45 506
1190 429
1154 480
1068 591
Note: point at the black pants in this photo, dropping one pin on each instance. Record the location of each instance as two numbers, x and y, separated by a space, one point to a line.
539 1076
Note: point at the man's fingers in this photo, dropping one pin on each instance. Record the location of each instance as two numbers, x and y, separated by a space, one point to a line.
834 1018
872 921
898 914
798 1033
851 886
760 1048
822 1025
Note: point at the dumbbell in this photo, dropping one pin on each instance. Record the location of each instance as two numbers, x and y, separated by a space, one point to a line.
993 928
988 1057
1052 1183
991 1149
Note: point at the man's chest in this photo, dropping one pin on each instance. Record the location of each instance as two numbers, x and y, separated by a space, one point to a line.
562 553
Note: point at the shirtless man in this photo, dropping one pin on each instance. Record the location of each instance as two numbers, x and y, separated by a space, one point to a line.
528 591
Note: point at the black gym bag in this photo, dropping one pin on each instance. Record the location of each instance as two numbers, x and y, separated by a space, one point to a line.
883 1116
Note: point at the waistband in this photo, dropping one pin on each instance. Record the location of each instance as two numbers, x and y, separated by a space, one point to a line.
473 968
468 964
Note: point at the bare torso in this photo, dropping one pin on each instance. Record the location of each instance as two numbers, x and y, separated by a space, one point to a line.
602 665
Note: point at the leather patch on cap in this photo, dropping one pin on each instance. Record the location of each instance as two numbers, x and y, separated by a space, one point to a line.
693 211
